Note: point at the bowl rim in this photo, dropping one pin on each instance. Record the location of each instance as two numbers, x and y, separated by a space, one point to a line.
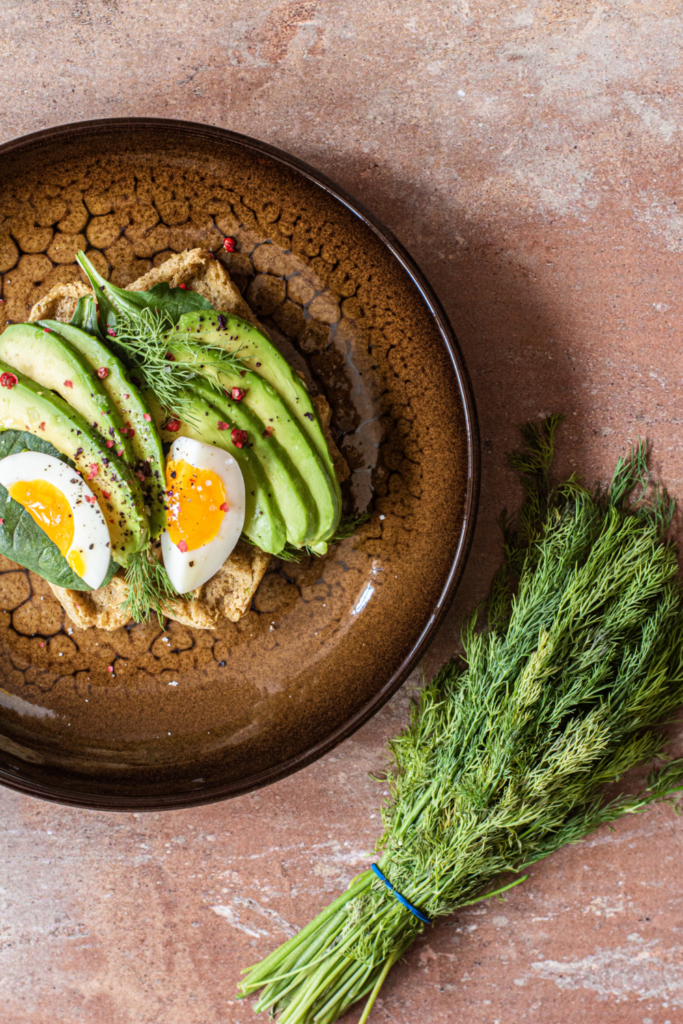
293 764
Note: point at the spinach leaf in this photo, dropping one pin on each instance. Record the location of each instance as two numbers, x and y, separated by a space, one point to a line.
111 299
174 301
13 441
85 315
21 539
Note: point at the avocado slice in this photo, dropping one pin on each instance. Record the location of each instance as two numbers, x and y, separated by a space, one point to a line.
132 408
263 522
265 402
258 354
48 359
30 406
287 485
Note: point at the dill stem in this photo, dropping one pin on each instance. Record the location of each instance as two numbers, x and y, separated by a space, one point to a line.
302 962
357 886
496 892
325 975
359 972
378 984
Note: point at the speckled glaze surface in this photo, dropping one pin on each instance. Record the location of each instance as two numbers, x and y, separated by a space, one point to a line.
191 716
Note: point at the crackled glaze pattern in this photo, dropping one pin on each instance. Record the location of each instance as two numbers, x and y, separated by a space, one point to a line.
151 713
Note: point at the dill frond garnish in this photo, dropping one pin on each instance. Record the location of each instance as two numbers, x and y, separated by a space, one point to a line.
142 340
149 588
349 524
347 527
291 554
288 553
509 750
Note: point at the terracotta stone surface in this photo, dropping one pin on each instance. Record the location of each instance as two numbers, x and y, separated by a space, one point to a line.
528 155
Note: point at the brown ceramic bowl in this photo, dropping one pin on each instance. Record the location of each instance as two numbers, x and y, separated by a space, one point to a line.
189 717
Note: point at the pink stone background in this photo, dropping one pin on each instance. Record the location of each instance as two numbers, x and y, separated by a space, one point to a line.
528 155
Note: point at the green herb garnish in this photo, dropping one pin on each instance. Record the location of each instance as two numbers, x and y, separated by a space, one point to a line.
349 524
141 339
85 315
508 753
347 528
149 588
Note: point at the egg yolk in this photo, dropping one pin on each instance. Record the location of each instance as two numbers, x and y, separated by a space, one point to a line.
48 506
196 504
77 563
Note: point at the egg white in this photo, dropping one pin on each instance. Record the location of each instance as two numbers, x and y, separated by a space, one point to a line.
91 534
190 569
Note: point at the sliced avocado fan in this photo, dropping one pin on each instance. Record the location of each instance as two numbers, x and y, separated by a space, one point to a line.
286 483
143 437
246 389
257 353
45 356
26 405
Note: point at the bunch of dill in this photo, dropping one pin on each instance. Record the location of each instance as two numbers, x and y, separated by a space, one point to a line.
508 753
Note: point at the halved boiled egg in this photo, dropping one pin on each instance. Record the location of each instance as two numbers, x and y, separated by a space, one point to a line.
63 505
205 512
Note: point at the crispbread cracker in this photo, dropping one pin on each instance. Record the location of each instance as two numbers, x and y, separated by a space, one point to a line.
196 268
101 608
202 273
60 302
228 594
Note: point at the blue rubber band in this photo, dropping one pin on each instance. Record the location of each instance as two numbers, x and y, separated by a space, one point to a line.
413 910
